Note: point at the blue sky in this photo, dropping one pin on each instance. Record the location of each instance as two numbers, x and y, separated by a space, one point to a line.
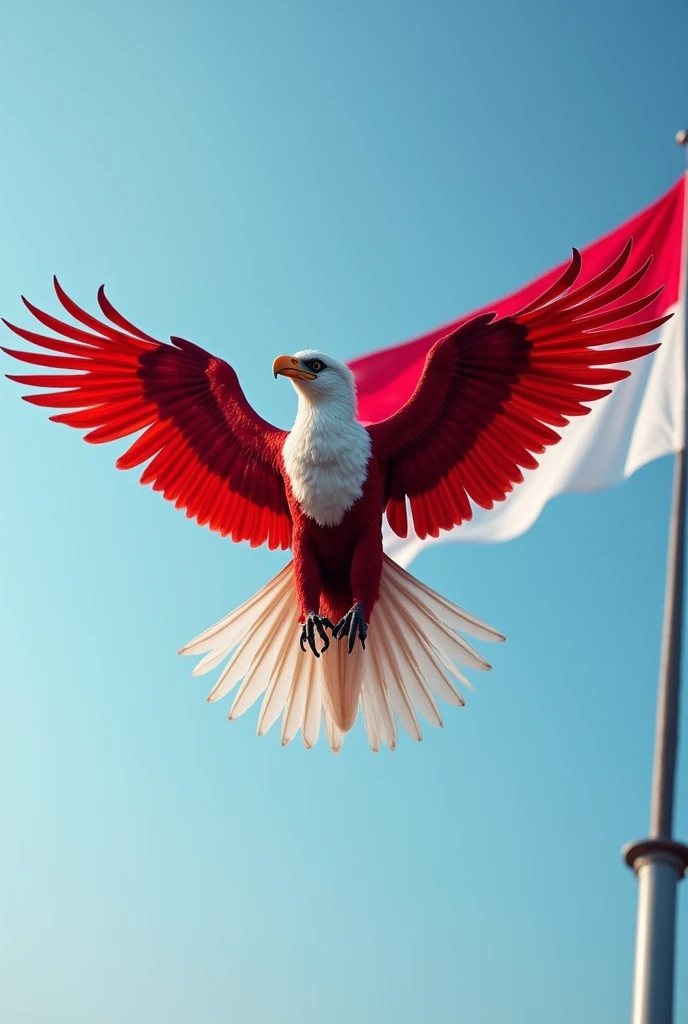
263 177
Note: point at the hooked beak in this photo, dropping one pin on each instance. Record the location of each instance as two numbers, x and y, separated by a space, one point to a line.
289 366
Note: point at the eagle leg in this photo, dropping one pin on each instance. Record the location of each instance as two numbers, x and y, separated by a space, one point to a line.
315 624
353 626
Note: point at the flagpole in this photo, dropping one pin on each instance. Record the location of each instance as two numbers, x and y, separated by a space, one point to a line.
660 861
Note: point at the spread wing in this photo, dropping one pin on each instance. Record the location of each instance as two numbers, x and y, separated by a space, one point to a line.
492 391
209 452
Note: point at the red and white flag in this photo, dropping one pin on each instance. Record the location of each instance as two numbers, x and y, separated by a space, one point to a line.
641 420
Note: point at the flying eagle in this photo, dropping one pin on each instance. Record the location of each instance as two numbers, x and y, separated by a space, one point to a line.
342 625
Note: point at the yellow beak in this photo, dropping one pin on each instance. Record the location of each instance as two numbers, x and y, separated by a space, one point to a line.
289 366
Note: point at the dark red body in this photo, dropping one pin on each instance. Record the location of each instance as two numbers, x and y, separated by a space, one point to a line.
338 566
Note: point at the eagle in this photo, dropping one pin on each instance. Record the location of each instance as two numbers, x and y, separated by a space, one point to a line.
342 626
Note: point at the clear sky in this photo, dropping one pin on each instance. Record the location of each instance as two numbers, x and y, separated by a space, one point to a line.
262 177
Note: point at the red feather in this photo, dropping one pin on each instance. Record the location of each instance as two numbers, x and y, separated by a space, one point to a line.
492 390
209 451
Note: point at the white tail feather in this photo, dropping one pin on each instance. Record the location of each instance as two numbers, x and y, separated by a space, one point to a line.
375 685
312 709
430 664
393 676
228 630
371 720
343 678
295 703
249 647
335 736
410 659
449 613
283 672
256 680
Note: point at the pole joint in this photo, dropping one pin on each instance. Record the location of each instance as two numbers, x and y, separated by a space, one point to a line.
648 851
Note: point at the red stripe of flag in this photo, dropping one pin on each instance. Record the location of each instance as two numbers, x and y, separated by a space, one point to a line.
386 379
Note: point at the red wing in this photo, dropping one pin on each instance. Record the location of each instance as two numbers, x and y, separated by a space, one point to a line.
492 390
210 452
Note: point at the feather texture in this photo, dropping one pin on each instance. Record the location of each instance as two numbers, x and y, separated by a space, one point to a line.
492 392
409 662
207 450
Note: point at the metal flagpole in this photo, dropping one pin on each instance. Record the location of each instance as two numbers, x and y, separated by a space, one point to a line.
660 861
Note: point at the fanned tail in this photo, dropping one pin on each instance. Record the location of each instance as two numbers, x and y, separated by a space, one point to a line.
411 659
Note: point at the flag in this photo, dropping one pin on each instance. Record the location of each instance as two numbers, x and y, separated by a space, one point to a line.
642 420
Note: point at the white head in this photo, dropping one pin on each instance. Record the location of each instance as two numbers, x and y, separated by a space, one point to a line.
327 451
318 378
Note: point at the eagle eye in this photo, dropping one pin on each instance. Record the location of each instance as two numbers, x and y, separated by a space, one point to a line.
316 365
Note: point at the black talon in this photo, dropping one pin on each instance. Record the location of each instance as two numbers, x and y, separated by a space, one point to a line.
315 623
352 626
